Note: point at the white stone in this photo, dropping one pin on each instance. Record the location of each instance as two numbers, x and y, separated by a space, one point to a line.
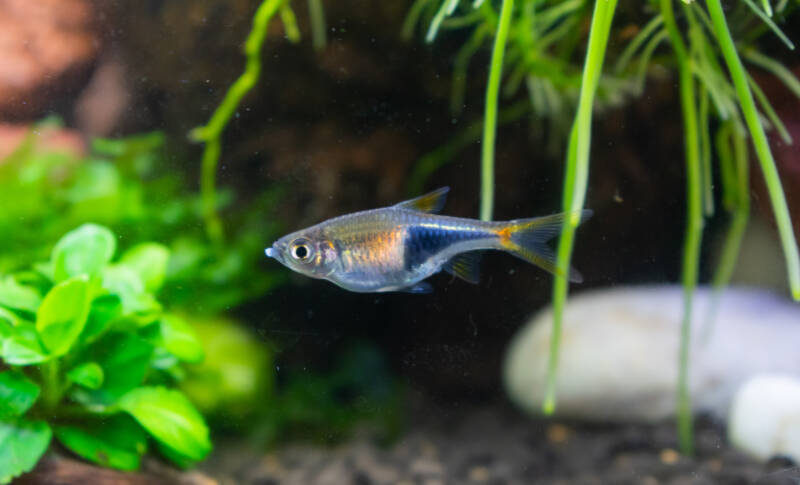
619 351
764 419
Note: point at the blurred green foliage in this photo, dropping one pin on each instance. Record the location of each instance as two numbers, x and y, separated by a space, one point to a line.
86 353
131 186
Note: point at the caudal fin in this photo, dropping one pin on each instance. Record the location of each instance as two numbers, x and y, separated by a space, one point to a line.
527 239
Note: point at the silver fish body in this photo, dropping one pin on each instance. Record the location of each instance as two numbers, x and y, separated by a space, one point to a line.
395 248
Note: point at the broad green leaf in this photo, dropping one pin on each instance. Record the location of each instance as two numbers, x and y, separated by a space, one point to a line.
124 358
85 250
18 297
102 312
17 394
22 443
116 442
23 346
8 317
170 418
180 339
88 375
149 261
128 286
46 269
63 313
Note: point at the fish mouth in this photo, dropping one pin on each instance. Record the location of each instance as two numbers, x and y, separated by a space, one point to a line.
273 252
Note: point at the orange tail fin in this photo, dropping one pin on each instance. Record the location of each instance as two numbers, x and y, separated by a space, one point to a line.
527 239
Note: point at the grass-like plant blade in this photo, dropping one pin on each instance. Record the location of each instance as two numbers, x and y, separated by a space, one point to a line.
776 68
407 31
289 20
637 42
732 151
576 177
705 151
318 29
490 116
433 161
694 221
445 10
767 20
769 111
739 77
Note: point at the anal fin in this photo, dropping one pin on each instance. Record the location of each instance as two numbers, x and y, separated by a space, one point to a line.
421 288
466 266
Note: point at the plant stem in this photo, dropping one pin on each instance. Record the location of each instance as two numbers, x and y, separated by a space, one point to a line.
211 132
51 390
318 28
694 222
490 114
760 143
576 177
734 162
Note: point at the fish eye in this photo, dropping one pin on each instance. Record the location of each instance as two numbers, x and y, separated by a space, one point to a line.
301 250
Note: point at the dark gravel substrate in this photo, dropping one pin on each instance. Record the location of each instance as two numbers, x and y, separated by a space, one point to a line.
497 445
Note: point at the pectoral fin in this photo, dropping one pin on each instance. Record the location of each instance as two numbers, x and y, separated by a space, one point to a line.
465 266
431 202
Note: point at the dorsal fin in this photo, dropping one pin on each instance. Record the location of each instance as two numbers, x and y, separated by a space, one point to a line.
465 266
431 202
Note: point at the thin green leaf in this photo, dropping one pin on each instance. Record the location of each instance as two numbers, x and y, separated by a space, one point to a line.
767 162
705 158
86 250
776 68
769 111
17 394
22 443
170 418
637 42
289 20
318 30
644 60
63 313
490 111
765 18
445 10
577 174
88 375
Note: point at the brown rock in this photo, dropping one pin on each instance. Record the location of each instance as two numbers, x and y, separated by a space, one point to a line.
47 47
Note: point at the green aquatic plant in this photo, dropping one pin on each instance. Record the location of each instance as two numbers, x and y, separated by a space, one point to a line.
211 133
543 50
129 185
88 355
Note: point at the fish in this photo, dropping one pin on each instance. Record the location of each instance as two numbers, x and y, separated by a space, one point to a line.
396 248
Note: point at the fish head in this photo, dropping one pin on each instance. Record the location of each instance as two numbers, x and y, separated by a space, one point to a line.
307 252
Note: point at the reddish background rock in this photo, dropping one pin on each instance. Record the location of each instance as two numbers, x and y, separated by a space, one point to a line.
47 48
